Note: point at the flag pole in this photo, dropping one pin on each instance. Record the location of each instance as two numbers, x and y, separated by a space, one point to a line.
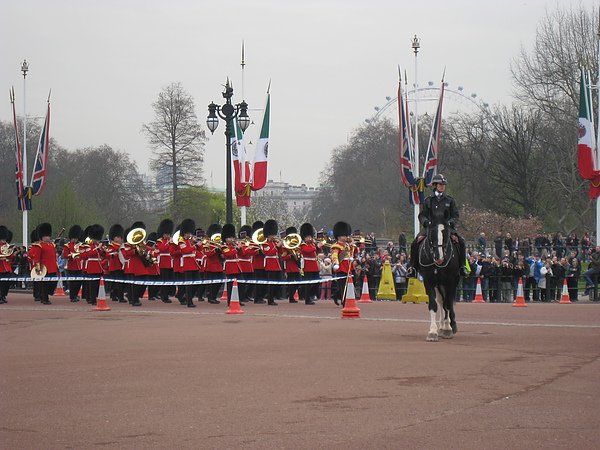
416 46
598 136
25 69
243 159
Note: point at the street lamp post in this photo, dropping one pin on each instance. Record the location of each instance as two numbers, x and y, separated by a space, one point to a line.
25 69
228 112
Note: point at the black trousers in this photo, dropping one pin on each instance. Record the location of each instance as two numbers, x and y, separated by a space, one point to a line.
293 288
117 290
245 289
136 291
212 289
274 275
260 290
190 275
200 289
37 291
165 275
74 286
311 291
46 287
338 288
153 289
5 285
93 287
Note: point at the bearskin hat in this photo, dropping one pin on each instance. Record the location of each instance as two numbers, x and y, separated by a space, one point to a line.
245 229
256 225
151 239
165 227
96 232
188 226
290 230
44 229
342 229
228 231
271 228
86 232
75 232
138 224
213 229
34 236
9 237
3 233
116 231
306 229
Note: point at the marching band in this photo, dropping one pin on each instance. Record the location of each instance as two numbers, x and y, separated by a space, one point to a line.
258 252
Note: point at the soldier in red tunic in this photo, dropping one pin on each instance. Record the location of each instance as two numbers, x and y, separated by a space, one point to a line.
310 265
271 249
213 266
246 252
342 257
92 262
135 267
291 263
200 289
187 248
34 239
6 258
43 253
165 260
70 253
258 264
116 263
153 269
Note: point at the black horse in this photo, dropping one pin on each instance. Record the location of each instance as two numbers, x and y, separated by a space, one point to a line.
439 267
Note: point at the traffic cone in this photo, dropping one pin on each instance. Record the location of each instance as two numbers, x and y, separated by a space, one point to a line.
145 293
296 297
478 295
234 303
350 310
520 300
224 296
564 297
364 296
59 291
101 304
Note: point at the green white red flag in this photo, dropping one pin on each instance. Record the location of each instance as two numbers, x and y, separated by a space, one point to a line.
259 172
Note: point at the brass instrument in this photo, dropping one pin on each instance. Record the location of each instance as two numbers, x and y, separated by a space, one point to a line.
39 271
136 238
258 237
56 240
6 251
214 241
177 238
292 241
78 249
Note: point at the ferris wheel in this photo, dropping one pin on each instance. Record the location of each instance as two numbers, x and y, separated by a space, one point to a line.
459 100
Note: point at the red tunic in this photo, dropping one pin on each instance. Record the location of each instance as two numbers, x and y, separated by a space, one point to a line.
6 262
165 260
343 255
92 259
134 265
230 254
44 253
271 252
290 263
200 258
245 255
212 260
258 261
112 255
73 263
188 256
309 256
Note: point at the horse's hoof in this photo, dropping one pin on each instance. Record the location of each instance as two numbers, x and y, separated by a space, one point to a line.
454 328
446 334
432 337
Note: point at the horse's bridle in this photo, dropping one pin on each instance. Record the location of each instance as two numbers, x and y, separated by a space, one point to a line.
449 251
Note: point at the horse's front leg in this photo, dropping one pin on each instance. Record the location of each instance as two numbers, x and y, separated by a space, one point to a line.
446 329
435 314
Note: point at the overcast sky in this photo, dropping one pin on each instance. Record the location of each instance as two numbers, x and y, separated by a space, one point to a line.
330 61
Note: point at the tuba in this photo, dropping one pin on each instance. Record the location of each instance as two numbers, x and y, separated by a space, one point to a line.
258 237
136 238
6 251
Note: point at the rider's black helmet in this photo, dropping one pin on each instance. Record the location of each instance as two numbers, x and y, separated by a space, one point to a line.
438 178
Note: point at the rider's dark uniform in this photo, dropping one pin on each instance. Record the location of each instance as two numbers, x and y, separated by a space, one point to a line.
438 208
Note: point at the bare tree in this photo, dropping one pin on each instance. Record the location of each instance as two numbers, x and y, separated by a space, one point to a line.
176 138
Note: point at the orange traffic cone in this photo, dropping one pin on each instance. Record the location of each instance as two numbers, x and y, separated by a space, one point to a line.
350 311
101 304
564 297
296 297
224 296
364 295
520 300
478 295
234 303
59 291
145 293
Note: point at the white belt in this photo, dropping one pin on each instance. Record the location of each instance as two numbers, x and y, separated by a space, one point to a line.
245 260
271 257
231 261
188 255
310 259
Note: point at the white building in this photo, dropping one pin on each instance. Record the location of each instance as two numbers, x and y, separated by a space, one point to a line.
295 197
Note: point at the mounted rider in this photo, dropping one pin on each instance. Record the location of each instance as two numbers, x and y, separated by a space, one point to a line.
438 208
